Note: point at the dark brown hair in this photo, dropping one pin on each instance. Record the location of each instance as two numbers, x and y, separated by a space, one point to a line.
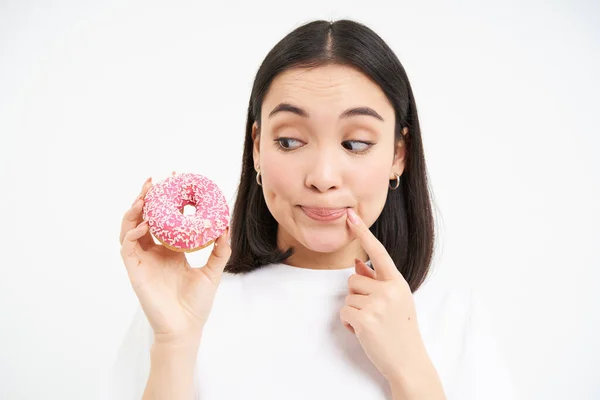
405 225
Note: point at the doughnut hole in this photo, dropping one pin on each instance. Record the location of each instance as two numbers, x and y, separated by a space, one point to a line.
188 209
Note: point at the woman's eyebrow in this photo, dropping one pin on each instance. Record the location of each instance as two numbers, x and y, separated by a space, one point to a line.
346 114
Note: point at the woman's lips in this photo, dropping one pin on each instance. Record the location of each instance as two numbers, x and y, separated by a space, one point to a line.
323 214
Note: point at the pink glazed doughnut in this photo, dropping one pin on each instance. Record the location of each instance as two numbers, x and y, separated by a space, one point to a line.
163 209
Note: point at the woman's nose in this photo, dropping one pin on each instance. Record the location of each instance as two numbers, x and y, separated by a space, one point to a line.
323 172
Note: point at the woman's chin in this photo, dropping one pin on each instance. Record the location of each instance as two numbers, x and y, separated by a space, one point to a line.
324 240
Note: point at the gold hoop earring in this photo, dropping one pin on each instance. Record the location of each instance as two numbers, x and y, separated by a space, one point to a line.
397 182
258 178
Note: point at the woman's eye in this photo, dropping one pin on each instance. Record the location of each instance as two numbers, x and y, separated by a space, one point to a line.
356 146
288 143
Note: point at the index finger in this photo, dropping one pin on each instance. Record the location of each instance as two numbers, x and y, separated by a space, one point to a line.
134 215
380 259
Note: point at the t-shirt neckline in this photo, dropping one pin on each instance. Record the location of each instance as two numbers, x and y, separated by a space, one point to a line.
309 281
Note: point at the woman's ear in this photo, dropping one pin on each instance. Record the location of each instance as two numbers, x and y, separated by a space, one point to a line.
400 155
256 144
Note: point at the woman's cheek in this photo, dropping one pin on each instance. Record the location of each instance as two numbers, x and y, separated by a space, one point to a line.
278 180
370 191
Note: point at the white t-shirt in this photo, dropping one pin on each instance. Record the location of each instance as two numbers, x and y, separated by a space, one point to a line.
275 333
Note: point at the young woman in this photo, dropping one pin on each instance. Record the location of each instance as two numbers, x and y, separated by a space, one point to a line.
319 292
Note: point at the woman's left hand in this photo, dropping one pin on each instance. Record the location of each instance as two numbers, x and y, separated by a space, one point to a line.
380 311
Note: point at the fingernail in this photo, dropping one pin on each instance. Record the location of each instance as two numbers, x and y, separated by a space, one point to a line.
353 217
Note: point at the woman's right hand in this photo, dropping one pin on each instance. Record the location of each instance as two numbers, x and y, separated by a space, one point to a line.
175 297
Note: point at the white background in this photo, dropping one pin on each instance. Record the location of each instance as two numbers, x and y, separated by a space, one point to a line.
96 96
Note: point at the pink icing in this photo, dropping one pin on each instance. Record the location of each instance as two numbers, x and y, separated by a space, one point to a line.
163 209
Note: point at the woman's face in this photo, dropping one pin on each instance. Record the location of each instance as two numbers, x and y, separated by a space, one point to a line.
326 144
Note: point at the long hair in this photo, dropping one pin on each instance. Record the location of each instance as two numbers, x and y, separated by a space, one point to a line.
405 226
